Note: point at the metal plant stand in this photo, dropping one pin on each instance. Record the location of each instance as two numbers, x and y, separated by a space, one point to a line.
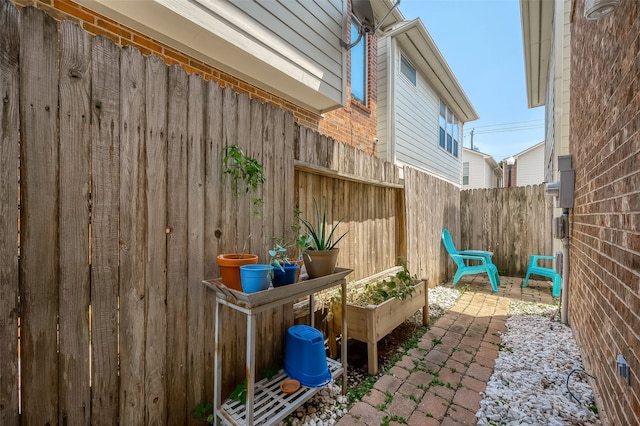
266 404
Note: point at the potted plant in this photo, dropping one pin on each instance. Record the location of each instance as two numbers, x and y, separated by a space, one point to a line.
230 263
255 277
245 175
375 306
284 270
321 254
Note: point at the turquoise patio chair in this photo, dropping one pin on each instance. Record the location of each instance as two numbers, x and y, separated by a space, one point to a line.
534 269
459 257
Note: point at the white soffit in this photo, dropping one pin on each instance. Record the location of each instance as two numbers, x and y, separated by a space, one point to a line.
416 42
191 27
537 29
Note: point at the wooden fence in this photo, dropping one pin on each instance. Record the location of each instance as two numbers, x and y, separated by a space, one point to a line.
513 223
363 191
431 205
113 207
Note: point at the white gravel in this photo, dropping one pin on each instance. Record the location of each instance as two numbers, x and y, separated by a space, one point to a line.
529 382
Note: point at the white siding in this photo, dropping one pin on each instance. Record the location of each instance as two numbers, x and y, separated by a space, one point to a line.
416 128
481 173
477 171
530 166
558 87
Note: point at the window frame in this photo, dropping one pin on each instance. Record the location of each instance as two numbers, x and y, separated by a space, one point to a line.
465 168
448 130
405 62
364 46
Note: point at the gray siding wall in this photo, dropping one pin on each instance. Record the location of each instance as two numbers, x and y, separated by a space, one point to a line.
306 33
291 48
416 126
384 105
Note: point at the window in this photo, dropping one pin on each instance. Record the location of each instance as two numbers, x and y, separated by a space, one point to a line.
358 65
407 69
443 124
456 129
449 130
465 173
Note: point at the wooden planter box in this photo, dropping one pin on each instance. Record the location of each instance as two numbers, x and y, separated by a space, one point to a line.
371 323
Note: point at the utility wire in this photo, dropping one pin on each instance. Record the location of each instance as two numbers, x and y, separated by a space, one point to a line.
541 121
579 370
508 129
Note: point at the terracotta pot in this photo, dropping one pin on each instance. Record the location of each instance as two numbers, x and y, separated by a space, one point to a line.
230 268
300 263
320 262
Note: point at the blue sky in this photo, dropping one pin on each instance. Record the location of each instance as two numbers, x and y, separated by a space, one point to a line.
481 40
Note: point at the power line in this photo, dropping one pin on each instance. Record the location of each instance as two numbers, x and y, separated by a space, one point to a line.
508 129
541 121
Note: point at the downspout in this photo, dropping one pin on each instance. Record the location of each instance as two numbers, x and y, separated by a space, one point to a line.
564 300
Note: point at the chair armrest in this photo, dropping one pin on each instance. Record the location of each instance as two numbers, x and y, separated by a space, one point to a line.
482 259
533 259
486 254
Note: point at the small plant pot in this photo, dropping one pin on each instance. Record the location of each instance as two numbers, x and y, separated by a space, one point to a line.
320 262
286 277
255 277
300 264
229 265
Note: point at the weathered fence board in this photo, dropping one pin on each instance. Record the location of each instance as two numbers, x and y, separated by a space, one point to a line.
156 394
177 243
431 204
133 233
39 277
195 248
105 210
513 223
75 136
9 162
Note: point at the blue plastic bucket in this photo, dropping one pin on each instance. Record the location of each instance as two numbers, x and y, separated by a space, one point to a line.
288 276
255 277
305 358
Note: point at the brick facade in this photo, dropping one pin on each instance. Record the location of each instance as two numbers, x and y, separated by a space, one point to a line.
356 123
352 125
604 294
505 174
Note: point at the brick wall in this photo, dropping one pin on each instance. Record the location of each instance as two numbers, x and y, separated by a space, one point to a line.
352 125
505 174
356 124
604 295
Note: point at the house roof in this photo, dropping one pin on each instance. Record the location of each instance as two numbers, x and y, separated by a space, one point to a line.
537 21
382 8
416 42
531 148
486 157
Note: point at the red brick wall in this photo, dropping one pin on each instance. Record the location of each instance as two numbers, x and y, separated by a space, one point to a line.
604 295
505 174
356 123
351 125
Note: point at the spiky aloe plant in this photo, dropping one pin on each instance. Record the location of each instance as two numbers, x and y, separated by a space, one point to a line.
321 236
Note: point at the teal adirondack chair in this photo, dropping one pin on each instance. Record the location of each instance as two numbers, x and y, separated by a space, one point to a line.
534 269
459 257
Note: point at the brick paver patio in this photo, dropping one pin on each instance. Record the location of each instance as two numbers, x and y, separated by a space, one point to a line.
440 382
